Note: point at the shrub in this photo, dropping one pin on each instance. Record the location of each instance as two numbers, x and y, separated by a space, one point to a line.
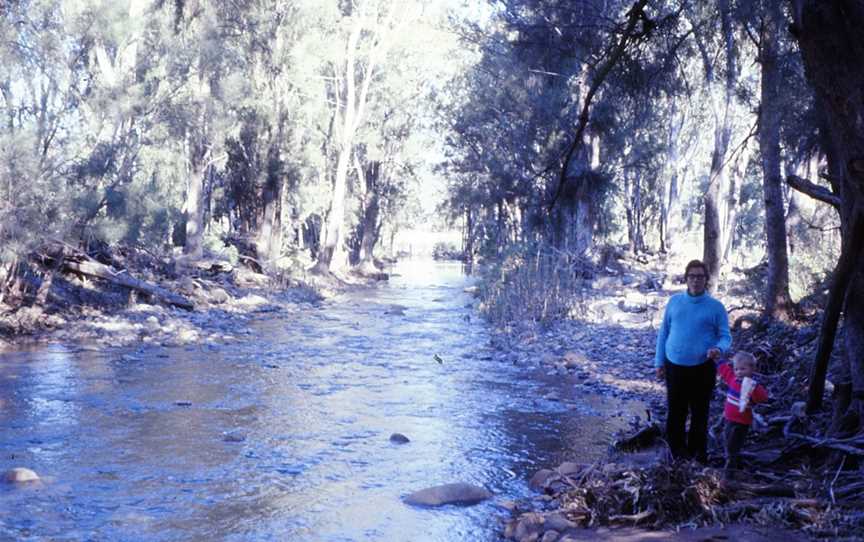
533 283
446 251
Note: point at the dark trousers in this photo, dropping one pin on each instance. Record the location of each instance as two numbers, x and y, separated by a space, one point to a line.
688 393
734 435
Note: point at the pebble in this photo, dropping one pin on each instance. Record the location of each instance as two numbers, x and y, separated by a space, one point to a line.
399 438
21 475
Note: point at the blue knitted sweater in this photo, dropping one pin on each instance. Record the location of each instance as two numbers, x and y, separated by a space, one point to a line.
691 325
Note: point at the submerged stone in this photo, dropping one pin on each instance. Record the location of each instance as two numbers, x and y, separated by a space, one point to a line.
456 493
21 475
399 438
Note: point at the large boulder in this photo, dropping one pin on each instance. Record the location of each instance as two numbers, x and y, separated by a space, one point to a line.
456 493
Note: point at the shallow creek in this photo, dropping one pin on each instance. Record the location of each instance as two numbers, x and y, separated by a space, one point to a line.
285 436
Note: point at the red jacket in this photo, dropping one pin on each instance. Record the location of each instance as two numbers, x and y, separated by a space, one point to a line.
730 408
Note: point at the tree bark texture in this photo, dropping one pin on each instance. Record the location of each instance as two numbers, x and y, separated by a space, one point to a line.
777 299
670 222
712 255
194 246
829 37
371 210
333 231
269 242
96 269
357 77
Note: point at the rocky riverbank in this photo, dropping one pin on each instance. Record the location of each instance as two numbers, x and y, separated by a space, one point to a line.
217 299
605 348
795 488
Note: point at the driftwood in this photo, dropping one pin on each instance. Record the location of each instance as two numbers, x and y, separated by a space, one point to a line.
642 439
634 518
767 490
122 278
212 266
841 444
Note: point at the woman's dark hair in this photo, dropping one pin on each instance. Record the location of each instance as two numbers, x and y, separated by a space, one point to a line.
696 263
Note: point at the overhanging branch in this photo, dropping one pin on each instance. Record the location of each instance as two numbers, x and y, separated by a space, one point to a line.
636 14
813 190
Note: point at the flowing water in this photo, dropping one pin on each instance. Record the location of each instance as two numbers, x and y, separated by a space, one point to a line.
286 436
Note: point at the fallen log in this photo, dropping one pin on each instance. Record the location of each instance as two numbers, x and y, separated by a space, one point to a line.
767 490
843 445
122 278
851 489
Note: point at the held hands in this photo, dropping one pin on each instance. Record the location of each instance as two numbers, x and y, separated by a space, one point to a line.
661 373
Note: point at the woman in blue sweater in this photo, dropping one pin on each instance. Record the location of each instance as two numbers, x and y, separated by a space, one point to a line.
694 333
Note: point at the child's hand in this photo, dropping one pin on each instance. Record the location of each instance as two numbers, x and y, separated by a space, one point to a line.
713 353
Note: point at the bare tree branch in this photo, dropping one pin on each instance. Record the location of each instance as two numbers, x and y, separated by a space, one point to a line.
813 190
635 15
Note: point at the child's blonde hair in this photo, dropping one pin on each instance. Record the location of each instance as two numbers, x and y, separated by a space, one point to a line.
742 356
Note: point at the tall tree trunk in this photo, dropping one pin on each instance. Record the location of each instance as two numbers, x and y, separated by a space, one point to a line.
357 78
194 247
777 299
370 224
670 217
336 214
630 212
199 149
333 232
711 231
468 239
269 242
828 35
712 255
733 198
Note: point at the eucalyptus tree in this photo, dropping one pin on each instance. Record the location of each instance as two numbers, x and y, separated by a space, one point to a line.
197 58
44 77
771 47
555 83
41 78
513 127
387 163
274 122
833 53
368 51
364 33
720 81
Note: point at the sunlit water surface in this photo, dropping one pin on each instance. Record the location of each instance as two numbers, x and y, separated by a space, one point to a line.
286 436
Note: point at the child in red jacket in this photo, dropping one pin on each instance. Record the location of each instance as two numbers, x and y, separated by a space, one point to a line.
742 393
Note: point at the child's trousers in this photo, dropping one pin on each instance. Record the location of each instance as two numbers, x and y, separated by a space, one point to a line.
734 434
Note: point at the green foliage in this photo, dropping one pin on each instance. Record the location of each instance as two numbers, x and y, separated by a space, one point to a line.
446 251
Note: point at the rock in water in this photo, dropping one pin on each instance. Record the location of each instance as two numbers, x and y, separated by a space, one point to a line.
399 438
457 493
20 475
541 479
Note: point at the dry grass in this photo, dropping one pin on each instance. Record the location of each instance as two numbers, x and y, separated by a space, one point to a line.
537 284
